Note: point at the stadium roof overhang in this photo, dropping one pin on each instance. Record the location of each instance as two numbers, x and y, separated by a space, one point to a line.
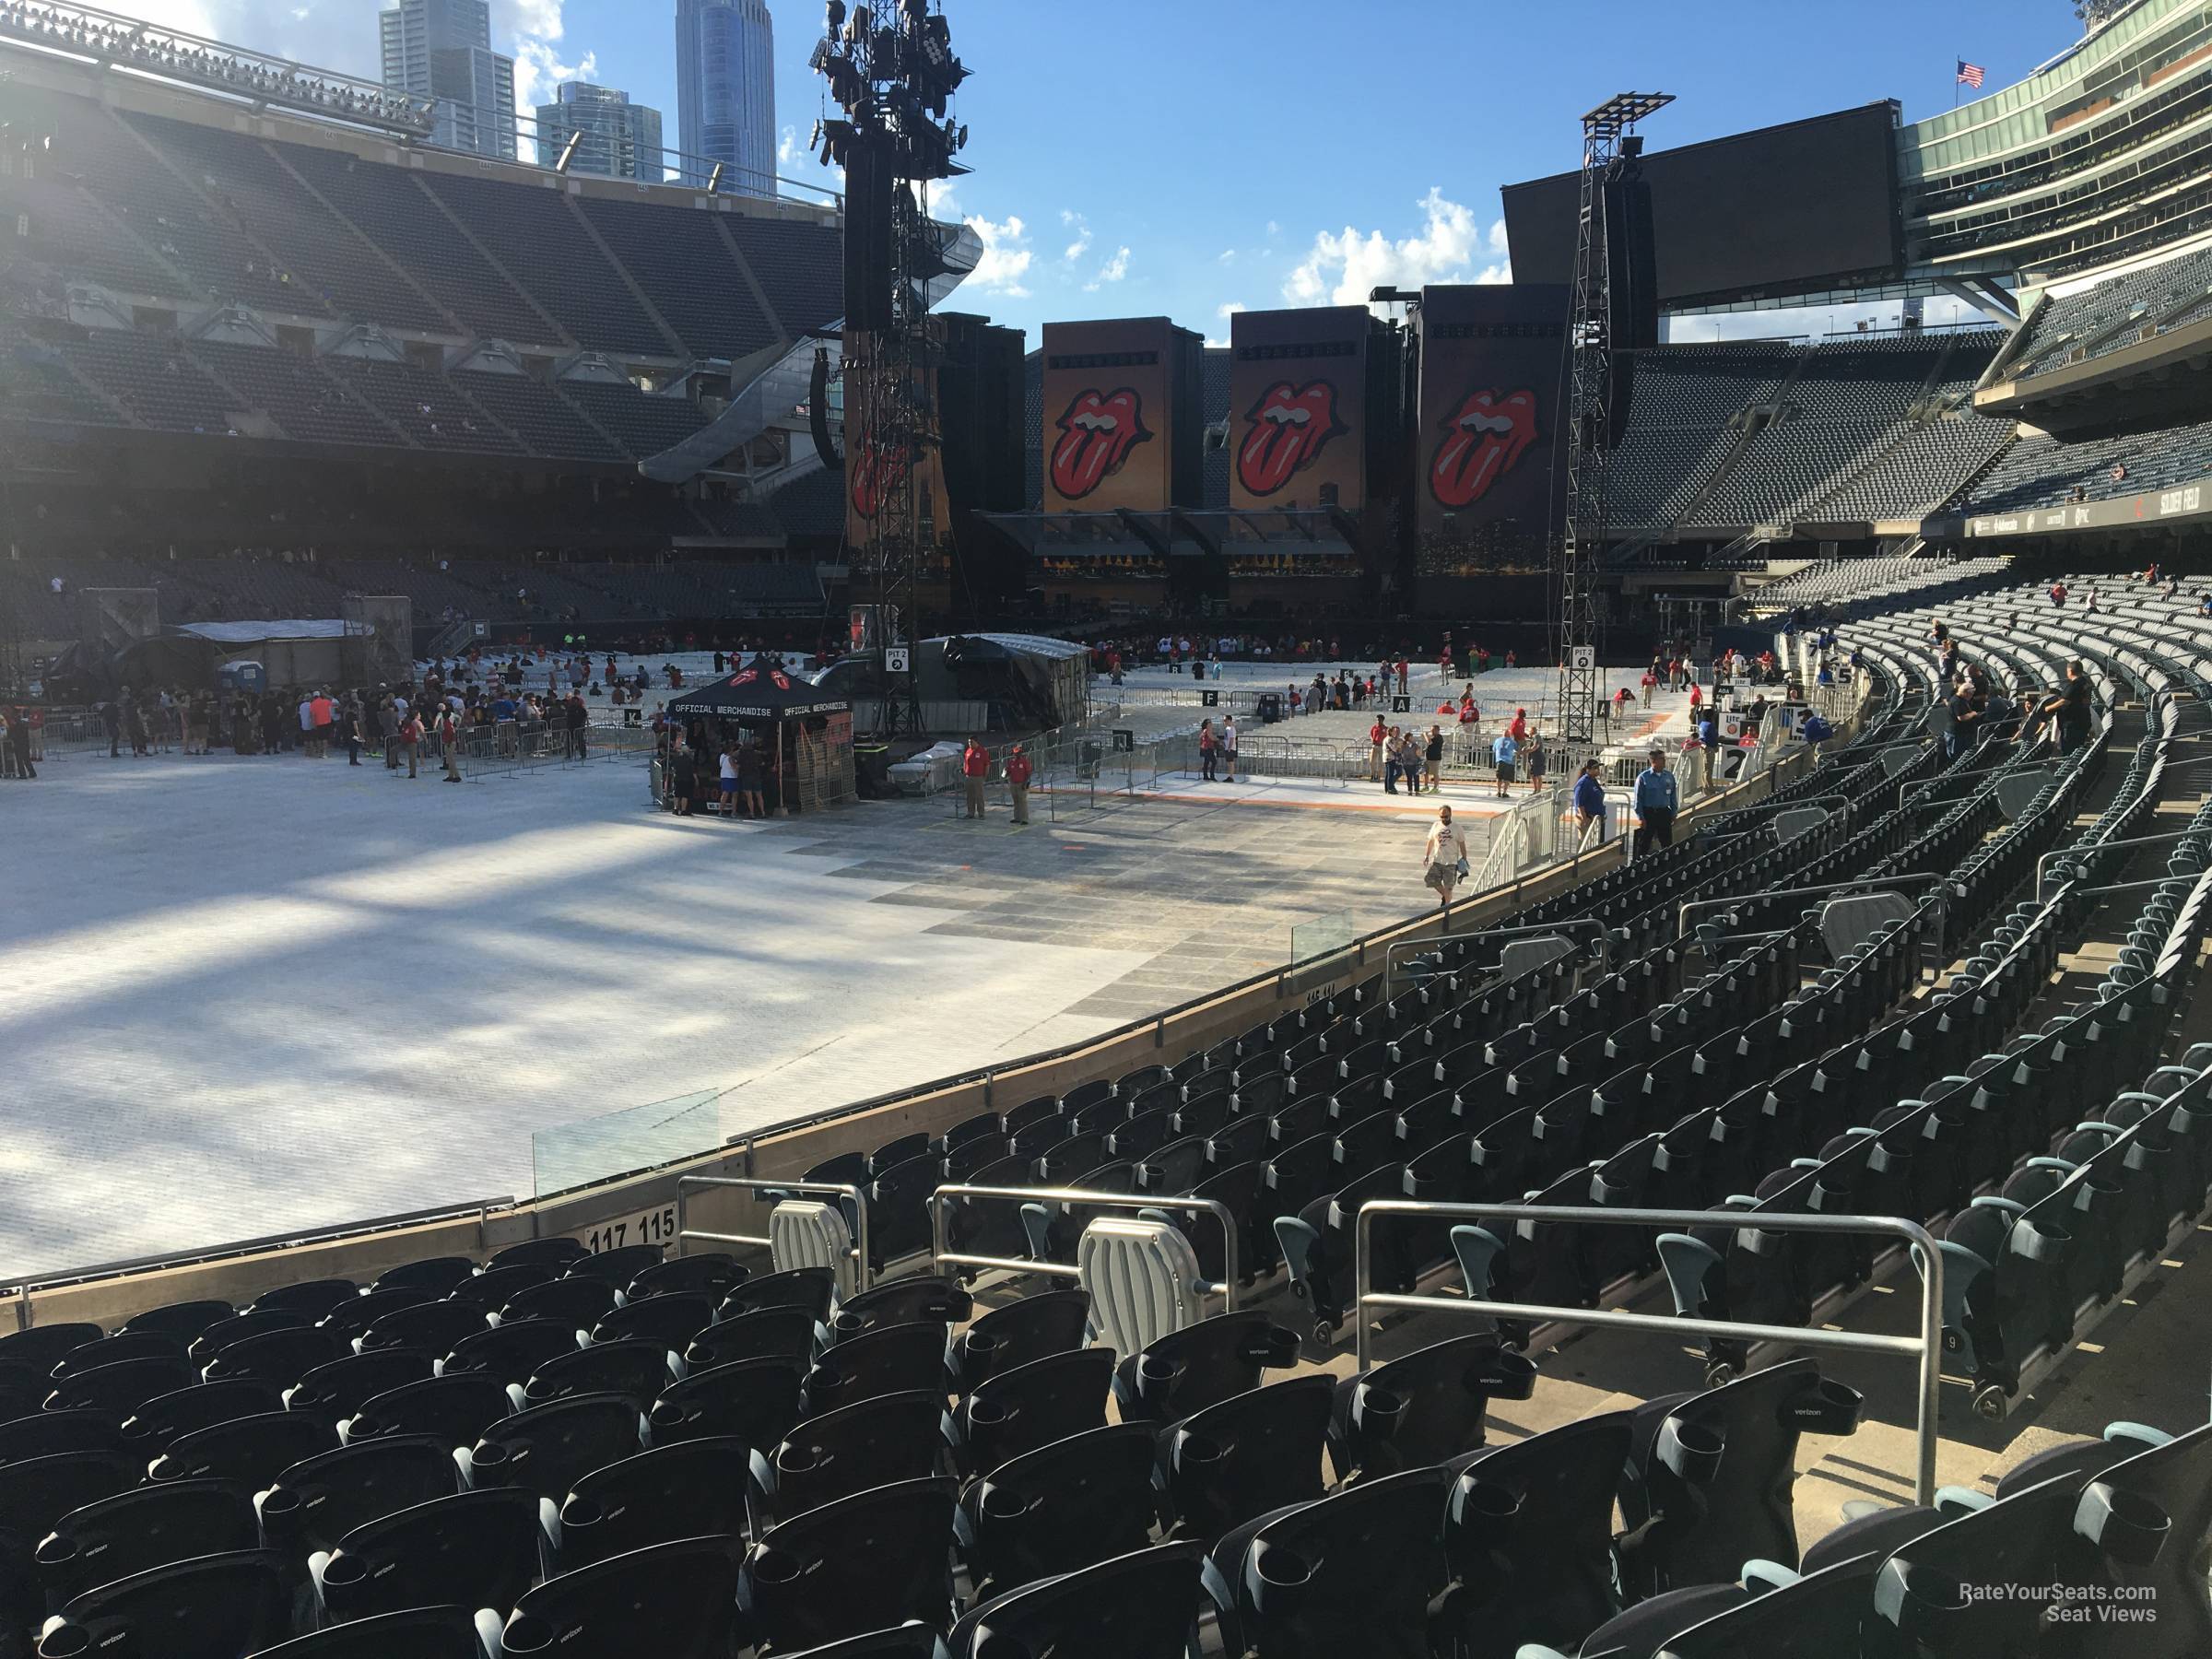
2151 365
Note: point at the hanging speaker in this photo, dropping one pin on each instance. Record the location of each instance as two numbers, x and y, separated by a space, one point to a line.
868 187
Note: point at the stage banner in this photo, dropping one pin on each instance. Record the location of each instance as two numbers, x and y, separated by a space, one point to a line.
1109 421
879 463
1297 409
1491 457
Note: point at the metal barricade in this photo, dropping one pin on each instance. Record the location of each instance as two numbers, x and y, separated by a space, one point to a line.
686 1184
940 1207
1927 1347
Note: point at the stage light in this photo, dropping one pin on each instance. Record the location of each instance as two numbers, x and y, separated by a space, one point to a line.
835 11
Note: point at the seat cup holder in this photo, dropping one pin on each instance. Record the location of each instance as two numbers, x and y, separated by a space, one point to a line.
665 1414
796 1460
1282 1573
1692 1450
58 1551
279 1502
342 1569
489 1454
1825 1408
582 1511
66 1642
1003 1503
2127 1526
982 1412
1504 1376
526 1633
777 1567
1193 1448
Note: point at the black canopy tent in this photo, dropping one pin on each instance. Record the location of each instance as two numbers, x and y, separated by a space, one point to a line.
764 696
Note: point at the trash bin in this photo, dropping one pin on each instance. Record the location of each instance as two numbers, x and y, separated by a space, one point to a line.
1198 669
1271 707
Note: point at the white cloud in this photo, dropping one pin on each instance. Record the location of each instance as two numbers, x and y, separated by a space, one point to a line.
1342 268
1232 308
1274 228
1228 256
787 147
1113 270
1081 226
1006 256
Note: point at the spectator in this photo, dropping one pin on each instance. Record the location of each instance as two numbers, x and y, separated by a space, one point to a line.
1206 742
323 714
448 743
1503 752
729 781
410 741
683 777
975 766
1018 773
1651 682
306 726
1518 727
1654 801
748 780
1433 757
1228 748
1589 802
351 720
1444 857
578 718
1537 761
14 746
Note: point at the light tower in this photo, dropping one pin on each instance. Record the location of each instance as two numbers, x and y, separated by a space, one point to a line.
1609 144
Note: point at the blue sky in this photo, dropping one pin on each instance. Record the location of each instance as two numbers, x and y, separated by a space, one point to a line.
1184 157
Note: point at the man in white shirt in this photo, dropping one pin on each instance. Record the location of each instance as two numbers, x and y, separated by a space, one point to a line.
1229 749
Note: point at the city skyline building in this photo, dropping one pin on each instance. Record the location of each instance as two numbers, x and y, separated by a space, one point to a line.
620 139
441 50
726 93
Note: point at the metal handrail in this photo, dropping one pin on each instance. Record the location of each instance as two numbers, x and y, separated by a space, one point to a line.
2042 864
939 1208
1682 915
1927 1347
683 1183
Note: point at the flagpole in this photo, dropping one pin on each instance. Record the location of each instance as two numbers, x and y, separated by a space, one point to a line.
1956 83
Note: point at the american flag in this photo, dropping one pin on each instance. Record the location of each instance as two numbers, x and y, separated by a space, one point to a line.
1969 74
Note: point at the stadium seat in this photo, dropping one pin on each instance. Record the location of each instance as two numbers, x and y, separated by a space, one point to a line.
1247 1455
868 1563
136 1530
1064 1506
1048 1321
548 1448
685 1489
675 1600
453 1409
1031 1405
754 1401
787 1333
213 1607
472 1550
636 1367
420 1633
1141 1605
252 1450
1425 1406
888 1438
1200 1365
319 1500
167 1418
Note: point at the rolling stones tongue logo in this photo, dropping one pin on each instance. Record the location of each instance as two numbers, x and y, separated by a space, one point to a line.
1482 442
1285 433
1096 433
877 470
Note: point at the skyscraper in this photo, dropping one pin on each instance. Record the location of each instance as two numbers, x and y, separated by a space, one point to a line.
726 93
620 139
441 50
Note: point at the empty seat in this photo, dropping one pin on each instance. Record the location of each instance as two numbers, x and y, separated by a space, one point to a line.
338 1389
418 1633
139 1530
685 1489
548 1448
1051 1322
1352 1573
453 1409
1063 1506
579 1303
889 1438
1425 1406
253 1450
1141 1605
214 1607
671 1320
713 1274
617 1266
1031 1405
317 1501
922 1299
808 1288
1247 1455
765 1333
168 1417
1201 1365
899 1359
512 1349
668 1601
637 1367
471 1549
751 1400
868 1563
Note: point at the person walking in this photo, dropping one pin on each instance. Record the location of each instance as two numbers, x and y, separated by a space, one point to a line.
975 766
729 781
1433 757
351 720
1018 773
1228 748
409 742
1655 801
1651 682
1589 803
307 724
1206 742
1377 735
1534 761
1444 858
448 743
1504 751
